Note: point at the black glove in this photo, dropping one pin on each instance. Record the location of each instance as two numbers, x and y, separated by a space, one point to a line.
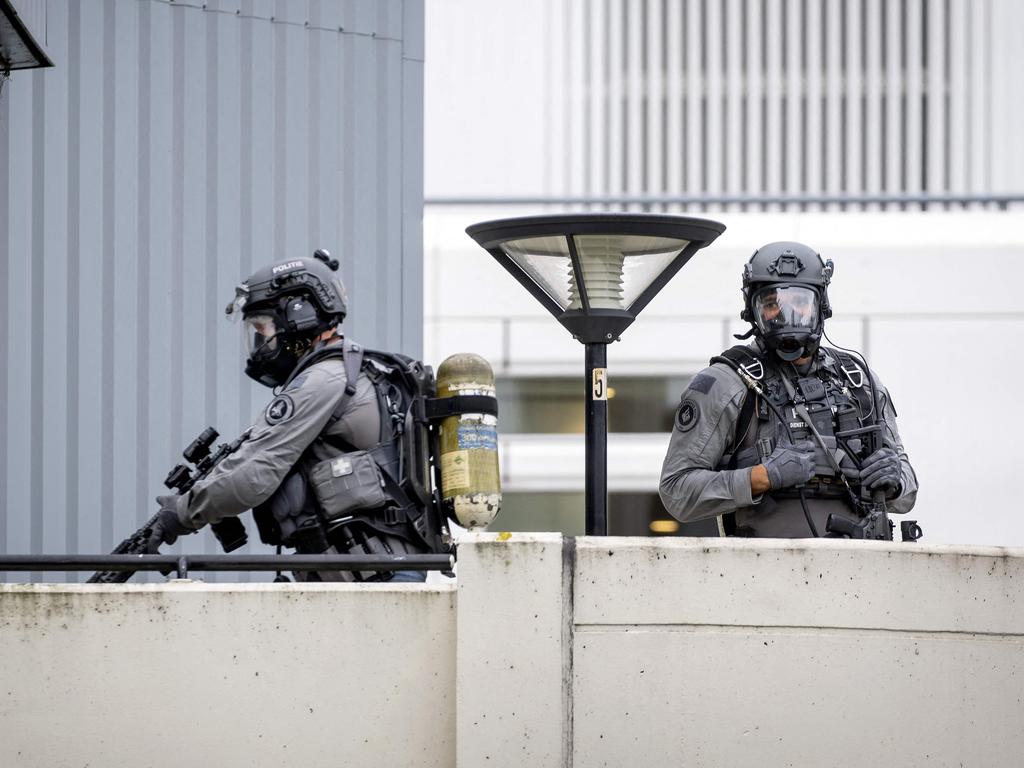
167 527
882 471
790 464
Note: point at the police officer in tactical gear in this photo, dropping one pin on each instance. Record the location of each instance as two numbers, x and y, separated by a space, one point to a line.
784 437
323 409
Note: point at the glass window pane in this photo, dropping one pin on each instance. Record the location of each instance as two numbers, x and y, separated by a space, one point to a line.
629 514
556 405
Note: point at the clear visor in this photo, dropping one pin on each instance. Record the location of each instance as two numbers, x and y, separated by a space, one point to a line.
791 307
260 332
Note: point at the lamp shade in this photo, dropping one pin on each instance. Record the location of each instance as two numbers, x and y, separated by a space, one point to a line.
617 269
595 272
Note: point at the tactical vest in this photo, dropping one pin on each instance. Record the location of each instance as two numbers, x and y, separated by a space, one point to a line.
838 401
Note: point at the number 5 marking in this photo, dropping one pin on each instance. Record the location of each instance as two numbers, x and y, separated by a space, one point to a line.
600 391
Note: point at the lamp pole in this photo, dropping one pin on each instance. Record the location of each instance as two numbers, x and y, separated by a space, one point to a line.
594 273
596 436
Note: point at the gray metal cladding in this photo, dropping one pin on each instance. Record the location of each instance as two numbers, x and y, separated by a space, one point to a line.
172 149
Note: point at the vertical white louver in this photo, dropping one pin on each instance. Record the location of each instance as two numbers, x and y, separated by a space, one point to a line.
788 97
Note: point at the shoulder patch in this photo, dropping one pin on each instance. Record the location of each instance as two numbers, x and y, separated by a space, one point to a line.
702 383
298 382
281 409
688 415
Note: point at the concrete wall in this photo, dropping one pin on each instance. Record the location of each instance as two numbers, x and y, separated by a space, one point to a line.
192 674
810 653
561 653
732 652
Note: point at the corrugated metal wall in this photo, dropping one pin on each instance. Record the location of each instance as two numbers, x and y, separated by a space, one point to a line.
172 149
783 97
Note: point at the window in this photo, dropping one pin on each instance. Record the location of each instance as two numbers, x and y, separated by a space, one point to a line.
555 405
629 514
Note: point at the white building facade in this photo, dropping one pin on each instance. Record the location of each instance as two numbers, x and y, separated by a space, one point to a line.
892 125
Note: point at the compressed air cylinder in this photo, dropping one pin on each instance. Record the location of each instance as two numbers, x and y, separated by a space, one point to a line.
470 483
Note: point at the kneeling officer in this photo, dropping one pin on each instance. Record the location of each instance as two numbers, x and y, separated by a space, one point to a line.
319 428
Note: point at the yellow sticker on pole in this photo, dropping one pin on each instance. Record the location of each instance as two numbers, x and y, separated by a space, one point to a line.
600 384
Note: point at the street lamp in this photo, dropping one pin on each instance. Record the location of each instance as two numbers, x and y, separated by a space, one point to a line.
594 273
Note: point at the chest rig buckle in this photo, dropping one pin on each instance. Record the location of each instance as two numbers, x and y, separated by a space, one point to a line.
854 376
754 369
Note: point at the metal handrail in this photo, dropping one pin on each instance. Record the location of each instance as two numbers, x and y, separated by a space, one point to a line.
1001 200
181 564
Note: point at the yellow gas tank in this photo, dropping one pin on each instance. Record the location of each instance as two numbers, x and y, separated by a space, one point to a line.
468 442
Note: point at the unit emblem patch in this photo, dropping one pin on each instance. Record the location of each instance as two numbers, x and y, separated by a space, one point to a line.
688 415
280 409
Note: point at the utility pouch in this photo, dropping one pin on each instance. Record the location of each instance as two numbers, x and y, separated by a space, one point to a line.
347 484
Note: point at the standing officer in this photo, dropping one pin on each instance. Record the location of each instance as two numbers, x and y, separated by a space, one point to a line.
782 437
327 407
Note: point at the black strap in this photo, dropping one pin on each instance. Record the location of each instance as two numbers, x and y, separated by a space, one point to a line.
742 425
352 356
441 407
741 357
740 354
353 359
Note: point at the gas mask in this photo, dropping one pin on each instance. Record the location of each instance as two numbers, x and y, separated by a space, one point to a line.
785 298
789 320
272 353
276 337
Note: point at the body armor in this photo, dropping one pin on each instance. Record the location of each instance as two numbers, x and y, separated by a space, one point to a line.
831 405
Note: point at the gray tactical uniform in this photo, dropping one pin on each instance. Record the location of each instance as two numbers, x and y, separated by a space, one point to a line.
290 429
695 485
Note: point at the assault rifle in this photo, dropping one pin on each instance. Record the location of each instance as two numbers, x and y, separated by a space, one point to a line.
874 522
230 531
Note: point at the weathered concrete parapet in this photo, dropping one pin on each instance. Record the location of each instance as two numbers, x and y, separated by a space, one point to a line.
819 583
563 652
515 610
805 653
193 674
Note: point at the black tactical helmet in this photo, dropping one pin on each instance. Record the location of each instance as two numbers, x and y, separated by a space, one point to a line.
785 297
285 306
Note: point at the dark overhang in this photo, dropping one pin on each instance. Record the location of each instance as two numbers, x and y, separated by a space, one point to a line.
18 48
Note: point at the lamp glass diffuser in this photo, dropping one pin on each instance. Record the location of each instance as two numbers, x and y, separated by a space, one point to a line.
546 261
616 268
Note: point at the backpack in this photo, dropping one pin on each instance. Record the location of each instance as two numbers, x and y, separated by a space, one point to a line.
407 446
